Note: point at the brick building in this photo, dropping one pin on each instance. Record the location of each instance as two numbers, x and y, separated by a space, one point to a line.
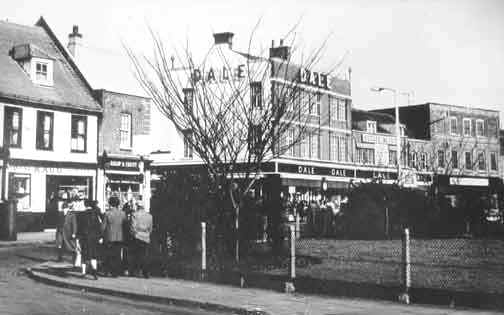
50 119
124 147
460 147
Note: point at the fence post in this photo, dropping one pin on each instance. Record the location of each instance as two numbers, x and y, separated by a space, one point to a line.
298 227
289 285
404 297
203 250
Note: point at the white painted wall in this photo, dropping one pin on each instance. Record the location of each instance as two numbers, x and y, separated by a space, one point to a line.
61 137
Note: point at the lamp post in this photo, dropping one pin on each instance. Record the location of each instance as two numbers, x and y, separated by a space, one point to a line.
397 127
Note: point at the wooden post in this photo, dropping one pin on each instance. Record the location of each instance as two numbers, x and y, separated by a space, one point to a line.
404 297
289 285
203 247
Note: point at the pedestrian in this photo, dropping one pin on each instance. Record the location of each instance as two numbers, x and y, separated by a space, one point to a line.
60 238
70 232
113 233
128 209
141 229
92 236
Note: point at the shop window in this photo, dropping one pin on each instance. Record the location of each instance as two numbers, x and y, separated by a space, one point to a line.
20 189
468 161
13 123
480 127
188 101
441 158
256 94
454 159
125 131
493 161
481 161
453 125
79 130
45 130
467 127
188 147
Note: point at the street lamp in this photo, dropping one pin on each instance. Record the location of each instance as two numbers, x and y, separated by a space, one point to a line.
397 127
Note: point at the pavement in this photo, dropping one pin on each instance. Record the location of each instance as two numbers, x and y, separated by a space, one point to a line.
224 298
30 238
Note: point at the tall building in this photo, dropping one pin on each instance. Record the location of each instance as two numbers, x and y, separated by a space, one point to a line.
50 125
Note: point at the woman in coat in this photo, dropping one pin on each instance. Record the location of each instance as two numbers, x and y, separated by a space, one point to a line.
92 235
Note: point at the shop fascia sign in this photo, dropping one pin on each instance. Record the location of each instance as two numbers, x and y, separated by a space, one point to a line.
123 164
313 78
219 74
315 170
468 181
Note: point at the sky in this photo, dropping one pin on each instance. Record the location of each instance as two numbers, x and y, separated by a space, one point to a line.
445 51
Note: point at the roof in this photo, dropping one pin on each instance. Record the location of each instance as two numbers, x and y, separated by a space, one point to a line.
363 115
70 89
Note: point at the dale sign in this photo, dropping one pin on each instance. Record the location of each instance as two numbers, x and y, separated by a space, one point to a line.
219 74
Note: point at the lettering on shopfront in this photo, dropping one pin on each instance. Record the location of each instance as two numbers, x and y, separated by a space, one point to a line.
306 170
313 78
315 170
35 169
214 74
123 164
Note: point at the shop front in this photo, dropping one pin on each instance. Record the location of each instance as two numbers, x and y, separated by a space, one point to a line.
126 178
42 187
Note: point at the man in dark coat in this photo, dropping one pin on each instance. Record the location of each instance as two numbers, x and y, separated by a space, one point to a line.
113 233
91 235
141 229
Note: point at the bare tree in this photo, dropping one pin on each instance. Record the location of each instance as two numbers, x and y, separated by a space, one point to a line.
237 110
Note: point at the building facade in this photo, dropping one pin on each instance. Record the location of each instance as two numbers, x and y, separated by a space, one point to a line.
124 147
50 125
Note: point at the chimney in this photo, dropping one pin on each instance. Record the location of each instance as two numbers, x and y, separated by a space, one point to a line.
224 38
74 39
282 51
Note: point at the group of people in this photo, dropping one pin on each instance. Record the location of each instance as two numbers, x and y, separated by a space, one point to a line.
119 237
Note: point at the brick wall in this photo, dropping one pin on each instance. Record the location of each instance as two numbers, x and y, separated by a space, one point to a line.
113 105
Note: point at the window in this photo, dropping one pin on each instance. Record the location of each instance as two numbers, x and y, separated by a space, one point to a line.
13 127
290 142
315 104
255 138
188 100
342 141
333 112
392 157
480 127
423 160
314 145
256 94
467 127
333 147
468 161
481 161
493 161
45 130
454 159
305 146
188 148
365 156
413 160
125 131
371 126
341 110
20 189
441 158
79 130
41 72
453 125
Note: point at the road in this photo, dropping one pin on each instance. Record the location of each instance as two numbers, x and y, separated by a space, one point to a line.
21 295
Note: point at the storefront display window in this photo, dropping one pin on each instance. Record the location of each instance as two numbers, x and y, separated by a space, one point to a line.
20 189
